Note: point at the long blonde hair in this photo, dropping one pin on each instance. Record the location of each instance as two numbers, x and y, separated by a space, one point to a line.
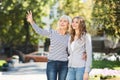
82 28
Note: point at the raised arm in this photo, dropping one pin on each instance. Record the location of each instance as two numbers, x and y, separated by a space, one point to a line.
35 26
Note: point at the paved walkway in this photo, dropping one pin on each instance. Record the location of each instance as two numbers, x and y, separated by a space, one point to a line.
37 71
23 77
27 71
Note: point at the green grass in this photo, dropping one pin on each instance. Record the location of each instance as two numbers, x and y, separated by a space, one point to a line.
106 64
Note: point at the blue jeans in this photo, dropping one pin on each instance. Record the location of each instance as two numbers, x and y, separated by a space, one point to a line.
57 69
75 73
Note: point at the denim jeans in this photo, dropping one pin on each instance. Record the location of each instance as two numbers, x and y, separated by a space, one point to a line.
75 73
57 69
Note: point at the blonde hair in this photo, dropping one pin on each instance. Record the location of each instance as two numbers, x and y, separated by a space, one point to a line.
67 18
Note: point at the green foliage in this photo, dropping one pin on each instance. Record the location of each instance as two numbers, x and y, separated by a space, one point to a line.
14 30
107 77
77 8
2 62
103 77
105 64
106 15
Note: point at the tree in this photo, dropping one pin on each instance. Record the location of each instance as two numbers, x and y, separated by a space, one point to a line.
14 30
106 20
106 16
77 8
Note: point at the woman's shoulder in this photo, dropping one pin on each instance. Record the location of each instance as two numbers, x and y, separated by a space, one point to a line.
51 30
88 36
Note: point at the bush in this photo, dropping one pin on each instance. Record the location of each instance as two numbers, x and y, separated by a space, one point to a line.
5 67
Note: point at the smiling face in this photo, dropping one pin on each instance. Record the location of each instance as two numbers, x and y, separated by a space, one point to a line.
77 27
63 23
75 23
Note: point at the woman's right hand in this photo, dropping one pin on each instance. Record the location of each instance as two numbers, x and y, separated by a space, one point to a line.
29 17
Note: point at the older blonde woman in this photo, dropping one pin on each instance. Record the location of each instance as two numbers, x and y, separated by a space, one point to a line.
58 56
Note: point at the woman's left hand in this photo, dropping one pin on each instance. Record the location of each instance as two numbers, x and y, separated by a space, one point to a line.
84 56
86 76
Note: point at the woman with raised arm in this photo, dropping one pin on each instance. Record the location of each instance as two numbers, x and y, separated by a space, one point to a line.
57 65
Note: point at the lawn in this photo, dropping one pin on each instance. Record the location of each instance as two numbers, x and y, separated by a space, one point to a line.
106 64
